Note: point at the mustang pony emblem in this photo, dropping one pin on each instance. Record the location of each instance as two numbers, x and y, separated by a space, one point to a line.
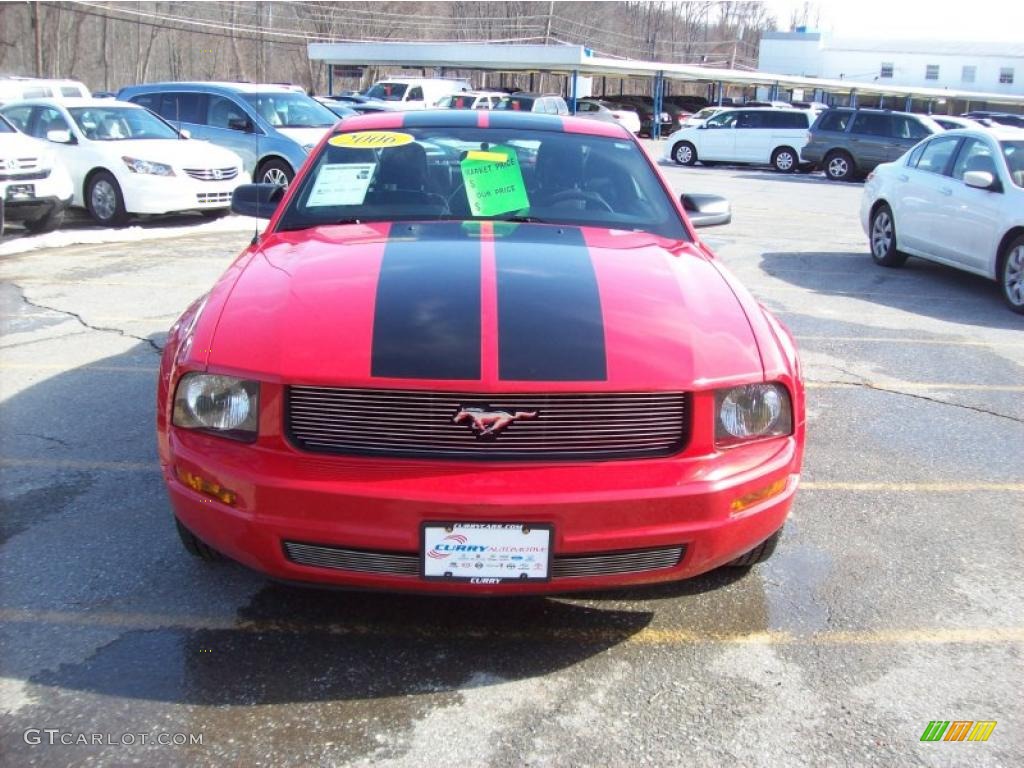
486 424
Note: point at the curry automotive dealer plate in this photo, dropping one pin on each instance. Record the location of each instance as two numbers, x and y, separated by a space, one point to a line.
486 553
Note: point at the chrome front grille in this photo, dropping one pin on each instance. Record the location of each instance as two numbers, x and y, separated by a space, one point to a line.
637 561
411 423
212 174
352 559
19 164
404 564
213 197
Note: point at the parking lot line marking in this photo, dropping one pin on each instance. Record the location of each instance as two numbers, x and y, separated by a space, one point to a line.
100 319
912 340
115 466
916 385
86 367
913 487
657 636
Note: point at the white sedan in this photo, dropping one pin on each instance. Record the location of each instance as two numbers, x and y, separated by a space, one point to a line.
124 160
956 198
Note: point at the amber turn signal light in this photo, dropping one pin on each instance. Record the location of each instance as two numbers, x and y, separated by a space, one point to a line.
200 484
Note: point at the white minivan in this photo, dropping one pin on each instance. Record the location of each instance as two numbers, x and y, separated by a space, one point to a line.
415 92
761 135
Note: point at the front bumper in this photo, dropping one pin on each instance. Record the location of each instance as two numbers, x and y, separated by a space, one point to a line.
150 194
28 209
378 506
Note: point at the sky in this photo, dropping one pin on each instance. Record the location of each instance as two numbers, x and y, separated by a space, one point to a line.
974 21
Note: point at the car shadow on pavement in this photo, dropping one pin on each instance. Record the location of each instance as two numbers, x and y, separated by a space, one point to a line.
796 178
919 287
91 551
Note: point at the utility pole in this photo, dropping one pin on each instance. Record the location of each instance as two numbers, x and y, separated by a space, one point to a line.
547 28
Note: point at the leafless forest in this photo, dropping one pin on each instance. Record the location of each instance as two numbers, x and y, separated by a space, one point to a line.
111 44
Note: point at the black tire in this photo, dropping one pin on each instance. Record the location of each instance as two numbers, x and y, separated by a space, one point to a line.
839 165
882 238
684 153
785 160
758 554
48 222
273 171
1011 274
216 213
194 546
104 200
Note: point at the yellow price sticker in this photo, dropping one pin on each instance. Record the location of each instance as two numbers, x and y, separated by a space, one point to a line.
371 139
491 157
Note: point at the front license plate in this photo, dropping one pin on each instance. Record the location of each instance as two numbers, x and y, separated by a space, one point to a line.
486 553
20 191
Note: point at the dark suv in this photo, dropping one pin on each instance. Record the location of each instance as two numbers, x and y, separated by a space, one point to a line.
850 142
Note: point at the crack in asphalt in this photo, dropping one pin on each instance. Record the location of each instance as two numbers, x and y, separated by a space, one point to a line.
45 437
99 328
860 381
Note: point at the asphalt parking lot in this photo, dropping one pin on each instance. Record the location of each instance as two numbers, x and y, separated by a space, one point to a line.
894 598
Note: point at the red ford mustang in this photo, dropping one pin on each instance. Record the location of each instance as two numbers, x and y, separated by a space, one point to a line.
479 353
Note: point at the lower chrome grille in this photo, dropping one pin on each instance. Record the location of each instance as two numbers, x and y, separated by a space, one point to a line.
212 174
25 176
403 564
352 559
421 424
213 197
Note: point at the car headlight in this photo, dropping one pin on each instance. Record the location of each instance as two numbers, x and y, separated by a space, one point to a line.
752 412
221 404
147 166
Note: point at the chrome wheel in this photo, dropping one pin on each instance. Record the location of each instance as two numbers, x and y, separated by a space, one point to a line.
838 167
684 154
785 161
103 199
881 235
275 176
1013 277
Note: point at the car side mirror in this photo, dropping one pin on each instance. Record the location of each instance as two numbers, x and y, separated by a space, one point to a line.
60 137
706 210
240 124
982 180
185 133
259 200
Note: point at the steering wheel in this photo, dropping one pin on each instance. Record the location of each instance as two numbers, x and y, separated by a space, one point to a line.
581 194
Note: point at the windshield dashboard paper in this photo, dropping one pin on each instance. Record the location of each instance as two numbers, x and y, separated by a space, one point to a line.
494 181
341 184
486 552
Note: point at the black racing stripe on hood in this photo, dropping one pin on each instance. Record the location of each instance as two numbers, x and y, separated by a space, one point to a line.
550 326
426 322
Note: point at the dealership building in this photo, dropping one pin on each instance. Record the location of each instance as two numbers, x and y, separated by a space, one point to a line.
993 68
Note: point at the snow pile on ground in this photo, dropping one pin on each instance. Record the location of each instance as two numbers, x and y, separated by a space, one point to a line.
151 230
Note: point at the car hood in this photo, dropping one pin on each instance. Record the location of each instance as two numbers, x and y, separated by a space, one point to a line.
304 136
17 145
187 153
486 306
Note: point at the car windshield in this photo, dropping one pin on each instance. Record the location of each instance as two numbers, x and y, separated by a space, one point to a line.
387 91
291 110
1013 151
6 127
444 173
120 124
705 113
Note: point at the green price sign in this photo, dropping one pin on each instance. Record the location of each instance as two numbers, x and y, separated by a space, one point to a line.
494 181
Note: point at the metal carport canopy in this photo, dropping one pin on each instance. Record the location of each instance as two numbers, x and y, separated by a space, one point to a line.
566 59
